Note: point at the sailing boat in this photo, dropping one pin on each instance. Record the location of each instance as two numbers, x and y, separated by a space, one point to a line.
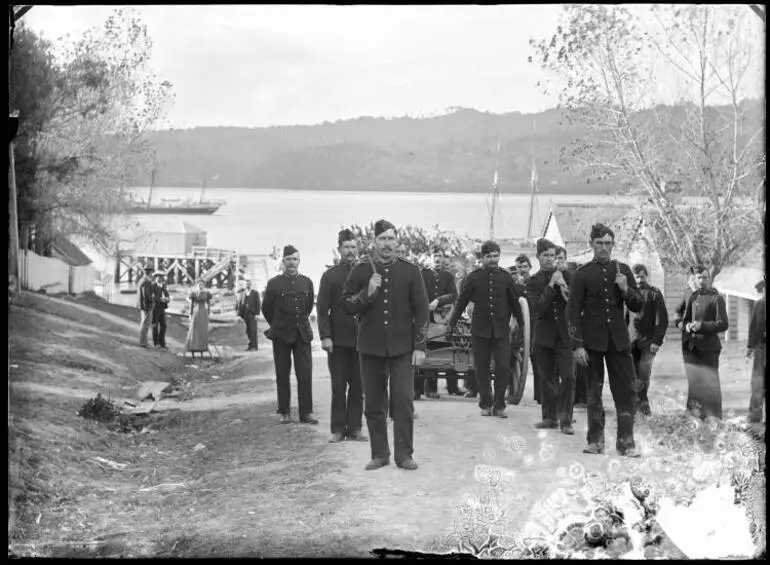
175 205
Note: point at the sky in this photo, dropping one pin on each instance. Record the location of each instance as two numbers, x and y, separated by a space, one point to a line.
263 65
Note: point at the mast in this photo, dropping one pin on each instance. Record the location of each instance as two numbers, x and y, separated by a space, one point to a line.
152 184
203 187
495 195
533 181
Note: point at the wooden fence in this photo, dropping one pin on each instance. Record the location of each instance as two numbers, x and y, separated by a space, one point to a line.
53 275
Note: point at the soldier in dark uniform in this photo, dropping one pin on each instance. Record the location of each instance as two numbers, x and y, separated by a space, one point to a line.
289 299
338 339
548 291
646 330
598 332
495 300
442 292
389 297
705 317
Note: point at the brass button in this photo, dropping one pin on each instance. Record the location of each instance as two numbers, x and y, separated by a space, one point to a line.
386 322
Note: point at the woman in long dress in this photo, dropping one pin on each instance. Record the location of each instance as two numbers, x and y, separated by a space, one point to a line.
198 334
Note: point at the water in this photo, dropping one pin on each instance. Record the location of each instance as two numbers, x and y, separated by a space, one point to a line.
255 220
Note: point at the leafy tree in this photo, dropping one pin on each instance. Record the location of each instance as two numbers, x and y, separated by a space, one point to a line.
96 100
607 64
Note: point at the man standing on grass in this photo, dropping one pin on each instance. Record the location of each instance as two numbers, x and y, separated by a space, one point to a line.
495 300
442 292
160 300
248 306
647 330
520 271
552 345
388 295
145 306
338 339
598 331
756 349
705 317
289 300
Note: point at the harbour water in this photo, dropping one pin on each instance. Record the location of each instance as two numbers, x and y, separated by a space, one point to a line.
255 220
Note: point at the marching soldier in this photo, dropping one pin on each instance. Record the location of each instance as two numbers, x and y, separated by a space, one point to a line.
646 330
598 332
338 339
388 295
495 300
548 290
289 299
442 292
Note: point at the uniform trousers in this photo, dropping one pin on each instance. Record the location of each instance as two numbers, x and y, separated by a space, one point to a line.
537 377
621 376
251 329
557 388
347 390
704 391
303 368
757 384
484 349
581 385
377 372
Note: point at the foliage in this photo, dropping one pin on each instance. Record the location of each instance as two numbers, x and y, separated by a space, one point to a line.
612 68
85 134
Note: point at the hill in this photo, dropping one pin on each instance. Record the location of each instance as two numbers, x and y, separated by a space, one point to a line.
451 152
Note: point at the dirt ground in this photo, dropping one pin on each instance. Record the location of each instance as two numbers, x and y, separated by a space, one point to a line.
213 473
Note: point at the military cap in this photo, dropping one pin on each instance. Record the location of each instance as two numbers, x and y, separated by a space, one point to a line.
289 250
381 226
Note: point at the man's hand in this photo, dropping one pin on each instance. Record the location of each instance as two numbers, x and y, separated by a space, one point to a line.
622 281
557 279
654 347
418 356
433 305
695 326
327 345
374 283
581 356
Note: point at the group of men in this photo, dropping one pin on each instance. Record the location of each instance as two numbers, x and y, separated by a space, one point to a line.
153 300
373 318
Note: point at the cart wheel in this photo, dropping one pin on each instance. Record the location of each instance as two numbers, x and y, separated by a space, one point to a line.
520 363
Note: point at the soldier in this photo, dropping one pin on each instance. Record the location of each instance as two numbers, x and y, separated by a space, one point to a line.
705 317
338 339
521 276
442 292
145 306
247 307
389 297
548 292
756 349
495 300
598 332
289 299
646 330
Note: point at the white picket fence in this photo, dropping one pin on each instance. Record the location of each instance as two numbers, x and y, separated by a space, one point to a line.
53 275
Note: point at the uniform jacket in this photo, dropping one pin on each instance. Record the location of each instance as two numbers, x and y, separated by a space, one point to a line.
595 307
440 286
495 300
757 327
549 307
145 295
158 293
287 306
394 321
247 303
707 307
333 322
652 321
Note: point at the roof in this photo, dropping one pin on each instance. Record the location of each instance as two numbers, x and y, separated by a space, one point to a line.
158 225
739 281
70 253
575 221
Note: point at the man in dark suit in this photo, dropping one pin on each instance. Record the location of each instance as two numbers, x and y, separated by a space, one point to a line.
160 300
705 317
548 290
247 307
598 331
495 300
647 330
289 299
338 339
389 297
144 304
442 292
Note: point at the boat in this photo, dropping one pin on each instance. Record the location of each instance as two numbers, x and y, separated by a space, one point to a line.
175 205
